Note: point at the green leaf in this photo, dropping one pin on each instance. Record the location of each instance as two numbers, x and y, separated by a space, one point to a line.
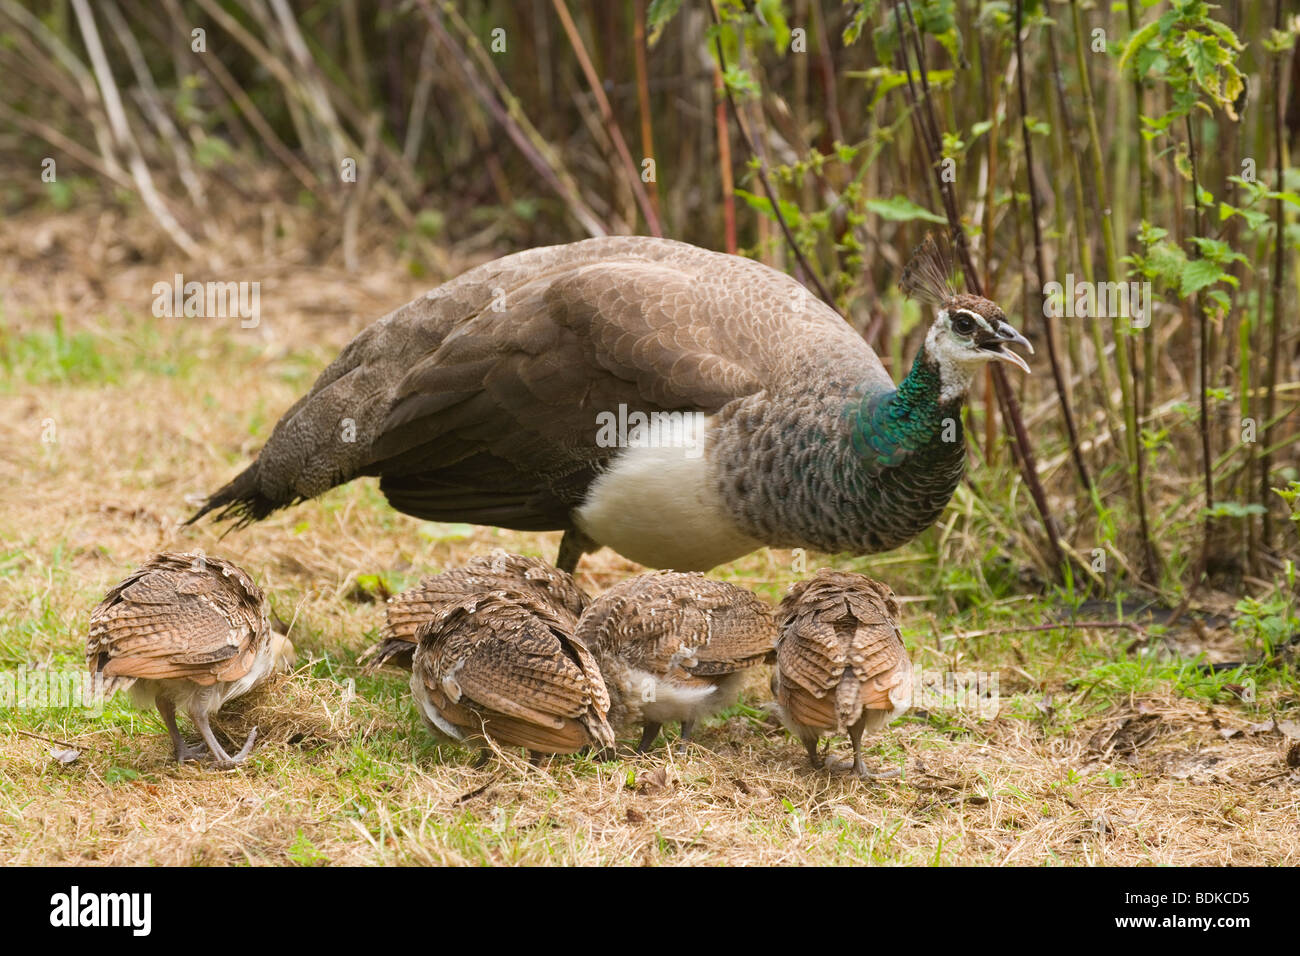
866 11
739 82
775 18
1231 509
792 214
1197 274
902 209
1218 251
1137 41
658 16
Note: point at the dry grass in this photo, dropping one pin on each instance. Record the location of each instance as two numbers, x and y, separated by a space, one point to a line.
147 412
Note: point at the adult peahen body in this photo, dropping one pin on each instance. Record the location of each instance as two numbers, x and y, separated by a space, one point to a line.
681 406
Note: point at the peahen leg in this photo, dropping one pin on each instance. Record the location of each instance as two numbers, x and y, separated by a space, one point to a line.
573 546
688 728
648 735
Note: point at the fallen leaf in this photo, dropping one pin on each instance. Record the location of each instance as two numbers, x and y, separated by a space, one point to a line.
652 781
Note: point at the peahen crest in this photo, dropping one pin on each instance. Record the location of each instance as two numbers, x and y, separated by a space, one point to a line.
928 275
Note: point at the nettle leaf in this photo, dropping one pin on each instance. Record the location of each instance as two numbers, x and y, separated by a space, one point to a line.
1231 509
1150 59
950 40
1219 299
885 39
889 80
1203 57
740 83
1163 262
790 212
935 17
901 209
1216 250
1254 191
1155 125
1255 218
1223 32
1279 41
1149 233
1197 274
996 14
1138 42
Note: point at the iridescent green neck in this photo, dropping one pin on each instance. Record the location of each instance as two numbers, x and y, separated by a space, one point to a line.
894 425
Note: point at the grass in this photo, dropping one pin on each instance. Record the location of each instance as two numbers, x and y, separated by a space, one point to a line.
1109 746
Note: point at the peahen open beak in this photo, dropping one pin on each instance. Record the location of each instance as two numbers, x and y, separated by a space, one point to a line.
996 344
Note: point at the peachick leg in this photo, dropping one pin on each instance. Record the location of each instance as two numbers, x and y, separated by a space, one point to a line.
184 751
688 727
859 768
810 744
222 759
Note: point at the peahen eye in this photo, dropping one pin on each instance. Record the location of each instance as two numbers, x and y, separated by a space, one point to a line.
963 324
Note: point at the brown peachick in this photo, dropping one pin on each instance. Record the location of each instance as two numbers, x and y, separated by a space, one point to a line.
407 611
504 665
186 631
675 646
840 661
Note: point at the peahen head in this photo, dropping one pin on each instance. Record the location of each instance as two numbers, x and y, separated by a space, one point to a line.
968 330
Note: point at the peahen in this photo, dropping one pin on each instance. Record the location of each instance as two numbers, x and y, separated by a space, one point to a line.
681 406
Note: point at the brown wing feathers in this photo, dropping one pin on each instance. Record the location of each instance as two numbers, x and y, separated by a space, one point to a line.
178 616
500 570
840 650
505 664
477 401
680 624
